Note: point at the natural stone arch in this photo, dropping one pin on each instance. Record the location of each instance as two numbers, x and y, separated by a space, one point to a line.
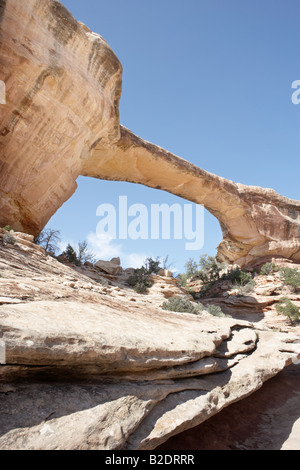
255 222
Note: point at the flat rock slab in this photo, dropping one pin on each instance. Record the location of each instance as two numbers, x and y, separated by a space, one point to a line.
85 368
107 376
109 336
269 419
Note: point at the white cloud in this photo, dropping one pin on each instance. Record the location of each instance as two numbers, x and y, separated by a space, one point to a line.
105 247
102 246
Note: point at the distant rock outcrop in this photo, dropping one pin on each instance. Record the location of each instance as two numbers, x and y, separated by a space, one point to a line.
61 120
112 267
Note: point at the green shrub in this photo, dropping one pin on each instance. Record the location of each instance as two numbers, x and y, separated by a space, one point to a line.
182 278
241 280
215 310
204 289
7 228
70 254
245 289
179 304
291 277
141 287
191 267
210 269
232 275
140 280
9 239
152 266
268 268
286 307
207 270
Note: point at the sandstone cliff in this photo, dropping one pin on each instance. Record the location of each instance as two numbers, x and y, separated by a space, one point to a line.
61 120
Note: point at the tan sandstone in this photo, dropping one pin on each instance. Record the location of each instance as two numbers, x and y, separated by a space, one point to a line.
87 368
61 120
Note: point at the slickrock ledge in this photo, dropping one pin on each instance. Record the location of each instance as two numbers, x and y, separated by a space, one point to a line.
87 368
61 120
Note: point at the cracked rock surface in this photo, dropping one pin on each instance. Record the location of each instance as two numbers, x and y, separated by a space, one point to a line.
90 369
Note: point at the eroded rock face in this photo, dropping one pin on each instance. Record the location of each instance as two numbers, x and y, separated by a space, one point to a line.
86 367
61 120
63 84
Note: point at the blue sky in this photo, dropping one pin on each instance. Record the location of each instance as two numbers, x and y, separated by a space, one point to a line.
209 80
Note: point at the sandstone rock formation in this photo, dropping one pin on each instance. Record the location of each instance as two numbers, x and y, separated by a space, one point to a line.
90 366
61 120
110 267
267 419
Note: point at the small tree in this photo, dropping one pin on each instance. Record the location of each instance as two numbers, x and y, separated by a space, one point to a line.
209 269
49 240
288 308
70 254
140 280
291 277
182 278
191 268
152 265
83 254
268 268
165 263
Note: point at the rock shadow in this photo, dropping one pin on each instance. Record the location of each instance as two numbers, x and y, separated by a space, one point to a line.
265 420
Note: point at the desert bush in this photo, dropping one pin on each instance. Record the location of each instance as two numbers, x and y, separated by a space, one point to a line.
268 268
237 276
140 280
208 269
215 310
291 277
191 268
79 256
241 280
152 266
245 289
204 289
180 304
9 239
182 278
288 308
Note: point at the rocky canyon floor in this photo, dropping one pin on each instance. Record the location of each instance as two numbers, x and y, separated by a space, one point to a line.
91 364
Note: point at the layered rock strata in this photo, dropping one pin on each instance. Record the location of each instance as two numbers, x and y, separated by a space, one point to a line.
88 368
61 120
